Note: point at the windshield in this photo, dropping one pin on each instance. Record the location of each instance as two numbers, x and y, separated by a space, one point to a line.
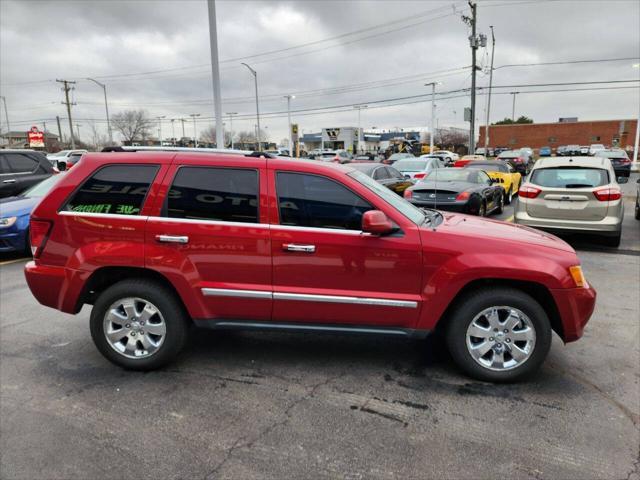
448 175
411 165
570 177
42 188
408 210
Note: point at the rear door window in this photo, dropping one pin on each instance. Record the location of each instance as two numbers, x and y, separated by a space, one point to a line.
319 202
211 193
19 163
115 189
573 177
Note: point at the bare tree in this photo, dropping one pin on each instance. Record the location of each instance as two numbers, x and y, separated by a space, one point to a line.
132 124
98 139
209 136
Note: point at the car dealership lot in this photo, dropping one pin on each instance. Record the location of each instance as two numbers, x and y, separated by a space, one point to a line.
247 405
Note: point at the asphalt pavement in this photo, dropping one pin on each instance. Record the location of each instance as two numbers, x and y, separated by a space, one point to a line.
246 405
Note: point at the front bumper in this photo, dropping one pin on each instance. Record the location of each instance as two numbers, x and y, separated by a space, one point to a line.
12 240
575 306
56 287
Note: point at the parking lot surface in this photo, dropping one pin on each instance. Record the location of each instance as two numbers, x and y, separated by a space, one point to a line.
266 405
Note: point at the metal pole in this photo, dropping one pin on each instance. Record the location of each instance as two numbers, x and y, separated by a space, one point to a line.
106 107
635 145
159 118
6 115
289 97
59 129
195 135
433 116
231 114
215 73
255 78
474 47
486 128
78 127
173 132
513 108
183 120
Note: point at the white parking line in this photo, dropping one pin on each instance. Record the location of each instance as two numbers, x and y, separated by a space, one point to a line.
8 262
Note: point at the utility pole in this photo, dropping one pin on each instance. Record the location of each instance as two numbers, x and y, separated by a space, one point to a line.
255 79
289 97
78 127
360 137
474 42
160 127
513 107
486 128
183 120
215 73
6 115
231 114
195 135
59 129
106 107
66 102
173 132
433 113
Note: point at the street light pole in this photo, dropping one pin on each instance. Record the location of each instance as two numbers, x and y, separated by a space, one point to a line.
173 132
433 113
360 137
255 79
160 128
195 135
486 128
513 108
289 97
231 114
215 73
106 106
6 115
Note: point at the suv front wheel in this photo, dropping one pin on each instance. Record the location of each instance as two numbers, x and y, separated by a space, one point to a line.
499 334
138 325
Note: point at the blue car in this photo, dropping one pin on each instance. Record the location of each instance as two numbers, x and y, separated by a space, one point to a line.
15 213
545 151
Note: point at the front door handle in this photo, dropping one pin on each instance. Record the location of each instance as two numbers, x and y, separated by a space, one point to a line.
292 247
13 180
172 239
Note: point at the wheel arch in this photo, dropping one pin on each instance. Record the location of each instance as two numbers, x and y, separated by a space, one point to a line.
539 292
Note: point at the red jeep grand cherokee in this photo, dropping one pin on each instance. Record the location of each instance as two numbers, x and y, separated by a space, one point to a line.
157 241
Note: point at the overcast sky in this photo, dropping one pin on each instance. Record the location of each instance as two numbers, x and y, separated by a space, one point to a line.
378 50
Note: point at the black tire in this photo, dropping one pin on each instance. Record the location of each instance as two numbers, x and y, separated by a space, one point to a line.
613 241
509 196
175 318
482 210
637 210
500 208
471 305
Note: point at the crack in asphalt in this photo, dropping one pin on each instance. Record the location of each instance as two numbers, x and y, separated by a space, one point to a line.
269 428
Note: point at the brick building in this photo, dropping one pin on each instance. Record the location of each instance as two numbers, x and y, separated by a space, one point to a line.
619 133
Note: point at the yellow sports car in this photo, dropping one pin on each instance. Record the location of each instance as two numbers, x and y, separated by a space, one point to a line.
503 172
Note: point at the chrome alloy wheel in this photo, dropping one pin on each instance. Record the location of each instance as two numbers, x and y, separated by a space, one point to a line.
134 327
501 338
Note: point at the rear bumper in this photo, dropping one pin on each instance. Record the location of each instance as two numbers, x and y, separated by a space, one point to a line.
610 225
622 171
55 287
575 306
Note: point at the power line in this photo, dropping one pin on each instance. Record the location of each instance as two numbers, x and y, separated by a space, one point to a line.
568 62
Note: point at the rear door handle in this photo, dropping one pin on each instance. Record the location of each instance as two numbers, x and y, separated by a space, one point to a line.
292 247
13 180
172 239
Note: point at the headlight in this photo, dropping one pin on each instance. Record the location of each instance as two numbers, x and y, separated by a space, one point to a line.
7 221
578 276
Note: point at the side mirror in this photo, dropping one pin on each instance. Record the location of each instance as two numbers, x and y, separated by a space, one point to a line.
623 179
376 223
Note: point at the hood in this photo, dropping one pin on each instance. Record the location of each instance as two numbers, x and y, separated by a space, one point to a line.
452 186
17 206
477 227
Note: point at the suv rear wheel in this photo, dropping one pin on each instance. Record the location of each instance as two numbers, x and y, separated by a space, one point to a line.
499 334
138 325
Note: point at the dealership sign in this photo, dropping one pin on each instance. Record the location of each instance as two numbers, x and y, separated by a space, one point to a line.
36 138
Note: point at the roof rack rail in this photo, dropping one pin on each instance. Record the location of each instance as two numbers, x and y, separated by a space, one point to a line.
228 151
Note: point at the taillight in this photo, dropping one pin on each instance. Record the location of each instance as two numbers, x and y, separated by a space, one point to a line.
419 175
607 194
625 161
518 160
408 193
462 196
38 233
336 159
529 192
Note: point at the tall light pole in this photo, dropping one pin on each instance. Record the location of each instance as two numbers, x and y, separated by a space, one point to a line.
513 107
433 113
78 129
289 97
486 128
195 136
173 132
6 115
215 73
160 127
635 144
255 79
106 106
231 114
360 136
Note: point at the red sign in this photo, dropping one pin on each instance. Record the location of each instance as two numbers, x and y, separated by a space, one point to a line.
36 137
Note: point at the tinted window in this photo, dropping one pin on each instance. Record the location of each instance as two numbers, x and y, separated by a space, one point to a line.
19 163
393 173
119 189
380 173
206 193
314 201
573 177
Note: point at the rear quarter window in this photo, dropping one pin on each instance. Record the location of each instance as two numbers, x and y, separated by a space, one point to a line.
114 189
